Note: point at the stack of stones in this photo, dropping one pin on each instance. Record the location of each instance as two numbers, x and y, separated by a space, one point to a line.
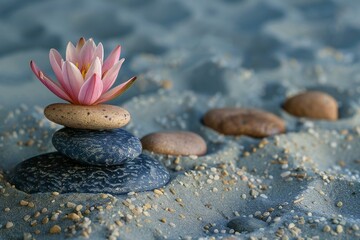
94 155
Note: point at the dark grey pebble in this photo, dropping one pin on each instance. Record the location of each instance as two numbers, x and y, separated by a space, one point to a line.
102 148
55 172
246 224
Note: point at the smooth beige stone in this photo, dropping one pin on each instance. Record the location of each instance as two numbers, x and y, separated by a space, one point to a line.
242 121
174 143
95 117
312 104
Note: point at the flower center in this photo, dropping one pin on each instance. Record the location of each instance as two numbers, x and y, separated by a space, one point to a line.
84 69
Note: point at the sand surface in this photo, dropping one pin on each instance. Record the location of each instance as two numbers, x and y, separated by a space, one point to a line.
191 56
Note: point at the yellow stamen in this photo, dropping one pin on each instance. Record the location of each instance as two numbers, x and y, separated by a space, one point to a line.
84 70
83 73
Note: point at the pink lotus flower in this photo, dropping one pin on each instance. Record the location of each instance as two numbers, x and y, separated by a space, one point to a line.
84 78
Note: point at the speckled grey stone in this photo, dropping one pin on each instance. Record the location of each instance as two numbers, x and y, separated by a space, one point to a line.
55 172
246 224
102 148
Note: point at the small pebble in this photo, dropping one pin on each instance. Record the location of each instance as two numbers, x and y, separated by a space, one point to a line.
55 229
158 192
175 143
285 174
54 217
9 225
327 228
254 193
73 216
24 203
36 214
27 236
70 205
79 207
312 104
339 229
241 121
96 117
45 220
355 227
339 204
26 218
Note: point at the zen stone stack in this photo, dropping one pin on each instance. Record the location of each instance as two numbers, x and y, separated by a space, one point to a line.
94 155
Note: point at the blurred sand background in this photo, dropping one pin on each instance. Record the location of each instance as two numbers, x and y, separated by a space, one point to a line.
191 56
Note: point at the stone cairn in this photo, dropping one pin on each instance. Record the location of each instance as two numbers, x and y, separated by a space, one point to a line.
94 155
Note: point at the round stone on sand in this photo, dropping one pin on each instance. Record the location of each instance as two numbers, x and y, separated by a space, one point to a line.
54 172
95 117
174 143
312 104
242 121
102 148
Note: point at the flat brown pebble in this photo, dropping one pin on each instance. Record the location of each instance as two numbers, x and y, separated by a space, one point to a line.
242 121
175 143
312 104
95 117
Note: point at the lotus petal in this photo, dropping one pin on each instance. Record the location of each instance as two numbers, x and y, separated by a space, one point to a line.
91 90
116 91
94 68
111 75
112 59
51 85
72 79
56 63
99 52
87 53
71 54
80 44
